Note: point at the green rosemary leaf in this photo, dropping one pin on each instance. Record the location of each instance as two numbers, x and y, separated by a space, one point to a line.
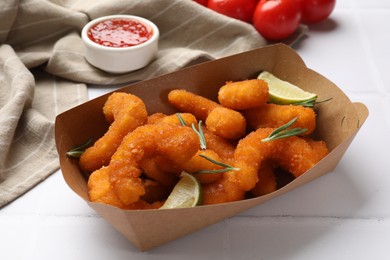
283 132
322 101
310 102
182 122
202 139
74 154
225 169
79 150
213 171
284 127
214 161
201 134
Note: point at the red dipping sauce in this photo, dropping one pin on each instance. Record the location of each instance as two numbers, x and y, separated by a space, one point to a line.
119 33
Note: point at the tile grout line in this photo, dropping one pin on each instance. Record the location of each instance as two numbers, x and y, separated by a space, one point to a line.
239 217
34 229
226 240
279 218
41 216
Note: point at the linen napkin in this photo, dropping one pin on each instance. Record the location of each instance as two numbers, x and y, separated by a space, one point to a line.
43 71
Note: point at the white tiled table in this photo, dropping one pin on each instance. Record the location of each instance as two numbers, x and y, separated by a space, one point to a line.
342 215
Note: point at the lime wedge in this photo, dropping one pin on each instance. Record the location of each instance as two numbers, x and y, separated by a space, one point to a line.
186 194
283 92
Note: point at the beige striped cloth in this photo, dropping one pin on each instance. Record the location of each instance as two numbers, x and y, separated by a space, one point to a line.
43 71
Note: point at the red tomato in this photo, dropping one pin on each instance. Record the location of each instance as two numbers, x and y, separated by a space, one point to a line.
202 2
239 9
314 11
276 19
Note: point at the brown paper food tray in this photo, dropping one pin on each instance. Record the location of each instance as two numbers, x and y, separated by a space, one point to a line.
338 122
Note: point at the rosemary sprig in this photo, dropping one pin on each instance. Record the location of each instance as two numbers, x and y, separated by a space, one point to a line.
79 150
182 122
203 146
199 132
310 102
283 132
226 168
202 139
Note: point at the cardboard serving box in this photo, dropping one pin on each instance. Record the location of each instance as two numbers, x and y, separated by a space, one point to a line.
338 121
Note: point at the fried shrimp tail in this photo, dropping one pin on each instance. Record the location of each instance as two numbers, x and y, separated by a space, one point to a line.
125 112
223 121
119 183
241 95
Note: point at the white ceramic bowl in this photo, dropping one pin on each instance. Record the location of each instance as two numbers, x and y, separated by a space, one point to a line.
120 59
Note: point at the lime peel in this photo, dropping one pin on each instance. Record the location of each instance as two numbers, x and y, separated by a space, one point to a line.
187 193
283 92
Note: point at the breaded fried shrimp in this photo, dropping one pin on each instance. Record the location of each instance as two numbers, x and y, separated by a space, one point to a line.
293 154
101 190
306 154
120 182
155 168
125 112
186 101
224 122
273 115
244 94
